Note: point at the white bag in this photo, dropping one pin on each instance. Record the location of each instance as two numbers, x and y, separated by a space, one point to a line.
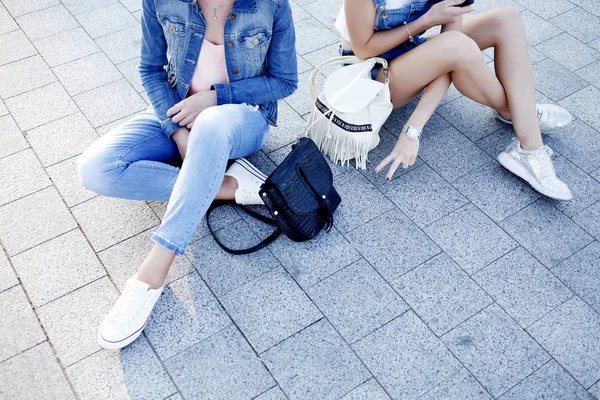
348 114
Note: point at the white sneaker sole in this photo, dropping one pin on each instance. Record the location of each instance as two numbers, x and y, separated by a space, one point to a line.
545 131
513 166
121 343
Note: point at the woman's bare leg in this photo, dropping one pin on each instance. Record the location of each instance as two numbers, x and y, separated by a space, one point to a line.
453 53
503 29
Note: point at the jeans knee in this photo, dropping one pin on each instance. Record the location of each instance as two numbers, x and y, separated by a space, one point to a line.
91 172
212 126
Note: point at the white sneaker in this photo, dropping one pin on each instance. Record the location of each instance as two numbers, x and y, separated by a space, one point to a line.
536 168
551 118
249 179
128 317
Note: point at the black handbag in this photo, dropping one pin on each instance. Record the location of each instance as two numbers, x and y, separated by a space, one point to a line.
299 195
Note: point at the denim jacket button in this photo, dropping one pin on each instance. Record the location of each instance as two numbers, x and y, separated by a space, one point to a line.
230 45
236 71
172 29
232 18
256 42
274 120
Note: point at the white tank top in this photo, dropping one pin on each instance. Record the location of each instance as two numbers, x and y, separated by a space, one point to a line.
342 27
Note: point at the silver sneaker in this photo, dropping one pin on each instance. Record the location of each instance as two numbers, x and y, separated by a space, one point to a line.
552 118
536 168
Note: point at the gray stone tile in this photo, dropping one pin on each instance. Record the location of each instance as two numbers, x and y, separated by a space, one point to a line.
595 44
496 191
498 141
538 29
40 106
57 267
547 8
20 227
461 385
579 143
571 334
555 81
361 201
72 321
176 396
121 46
47 22
406 358
357 301
132 373
132 5
550 381
370 390
588 5
11 137
298 12
546 233
442 294
586 190
451 154
399 116
81 6
584 104
312 35
470 238
318 57
64 176
595 390
34 374
310 262
589 219
7 23
580 272
474 120
484 5
186 314
8 278
62 139
568 51
66 46
21 174
224 272
130 70
107 128
106 20
108 221
391 253
122 260
579 23
315 364
24 75
325 11
272 394
270 309
19 328
496 350
522 286
290 127
15 46
591 73
3 109
87 73
110 102
19 7
221 367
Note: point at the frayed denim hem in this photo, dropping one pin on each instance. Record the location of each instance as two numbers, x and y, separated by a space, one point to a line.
159 240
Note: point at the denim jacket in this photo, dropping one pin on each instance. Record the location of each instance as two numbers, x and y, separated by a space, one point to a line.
259 52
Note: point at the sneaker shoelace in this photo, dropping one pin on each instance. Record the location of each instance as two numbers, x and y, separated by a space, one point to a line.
544 157
130 305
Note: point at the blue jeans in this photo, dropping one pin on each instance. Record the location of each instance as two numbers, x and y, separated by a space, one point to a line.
137 161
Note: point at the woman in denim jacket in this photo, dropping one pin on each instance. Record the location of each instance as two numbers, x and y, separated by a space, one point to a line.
393 28
214 71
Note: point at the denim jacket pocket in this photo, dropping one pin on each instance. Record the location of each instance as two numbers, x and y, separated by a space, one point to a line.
255 45
175 34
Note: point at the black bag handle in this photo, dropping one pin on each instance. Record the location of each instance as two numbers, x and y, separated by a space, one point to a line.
323 206
264 243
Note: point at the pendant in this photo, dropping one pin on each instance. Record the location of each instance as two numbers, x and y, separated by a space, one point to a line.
214 14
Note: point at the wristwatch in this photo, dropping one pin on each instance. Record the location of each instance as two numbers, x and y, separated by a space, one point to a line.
412 132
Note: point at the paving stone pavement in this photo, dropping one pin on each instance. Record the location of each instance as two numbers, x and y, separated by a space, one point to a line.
454 281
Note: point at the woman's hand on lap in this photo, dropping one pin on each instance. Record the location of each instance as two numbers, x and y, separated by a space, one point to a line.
186 111
404 153
446 12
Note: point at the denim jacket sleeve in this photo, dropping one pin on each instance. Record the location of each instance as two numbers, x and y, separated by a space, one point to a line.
281 79
152 68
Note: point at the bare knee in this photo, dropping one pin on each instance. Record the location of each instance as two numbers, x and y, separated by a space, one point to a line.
458 48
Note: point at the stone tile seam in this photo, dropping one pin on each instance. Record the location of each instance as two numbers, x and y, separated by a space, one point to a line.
24 350
271 388
575 38
48 303
29 12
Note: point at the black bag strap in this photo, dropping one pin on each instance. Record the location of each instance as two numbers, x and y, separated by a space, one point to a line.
324 209
264 243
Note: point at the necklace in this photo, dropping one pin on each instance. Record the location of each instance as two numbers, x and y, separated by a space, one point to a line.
214 10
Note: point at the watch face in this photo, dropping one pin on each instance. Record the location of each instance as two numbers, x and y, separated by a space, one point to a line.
413 132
